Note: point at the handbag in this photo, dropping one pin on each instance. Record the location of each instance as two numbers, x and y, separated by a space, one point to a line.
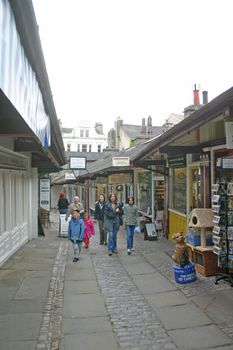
137 229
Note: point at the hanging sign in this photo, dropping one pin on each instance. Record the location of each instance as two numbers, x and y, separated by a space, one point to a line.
77 163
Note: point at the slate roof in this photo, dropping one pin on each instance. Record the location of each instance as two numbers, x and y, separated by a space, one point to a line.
134 131
104 164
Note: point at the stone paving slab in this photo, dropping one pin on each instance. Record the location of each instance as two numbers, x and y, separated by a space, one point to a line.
182 316
23 326
215 305
171 298
75 274
7 293
139 268
97 341
81 287
86 324
26 306
153 283
84 305
33 288
11 277
17 345
199 338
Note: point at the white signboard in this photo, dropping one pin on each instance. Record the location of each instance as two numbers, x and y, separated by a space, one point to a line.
120 161
229 134
45 193
63 226
227 163
70 176
77 163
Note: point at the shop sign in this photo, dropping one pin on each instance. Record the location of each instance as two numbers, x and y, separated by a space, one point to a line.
77 163
119 179
45 193
120 161
229 134
177 161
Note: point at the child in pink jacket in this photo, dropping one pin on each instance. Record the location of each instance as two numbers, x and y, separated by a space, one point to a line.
89 229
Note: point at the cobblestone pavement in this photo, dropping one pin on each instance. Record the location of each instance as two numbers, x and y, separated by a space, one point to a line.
134 322
50 329
202 287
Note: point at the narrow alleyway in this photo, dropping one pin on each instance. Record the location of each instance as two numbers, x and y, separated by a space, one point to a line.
101 302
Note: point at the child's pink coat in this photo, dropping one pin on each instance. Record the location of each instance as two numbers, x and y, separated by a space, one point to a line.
89 228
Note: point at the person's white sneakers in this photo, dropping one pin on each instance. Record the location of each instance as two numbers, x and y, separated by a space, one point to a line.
132 249
128 251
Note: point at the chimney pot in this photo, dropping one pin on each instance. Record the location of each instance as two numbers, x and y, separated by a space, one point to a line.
205 97
196 99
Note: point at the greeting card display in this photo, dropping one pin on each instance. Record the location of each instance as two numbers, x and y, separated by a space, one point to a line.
222 206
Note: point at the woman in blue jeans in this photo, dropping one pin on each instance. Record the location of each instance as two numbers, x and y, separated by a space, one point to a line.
131 220
112 215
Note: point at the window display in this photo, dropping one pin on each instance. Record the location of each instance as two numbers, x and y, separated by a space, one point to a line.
179 190
144 192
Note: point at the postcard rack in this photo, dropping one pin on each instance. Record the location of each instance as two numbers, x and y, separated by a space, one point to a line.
222 206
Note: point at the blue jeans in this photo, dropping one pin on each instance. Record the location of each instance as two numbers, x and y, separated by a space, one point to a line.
112 239
63 211
130 234
77 249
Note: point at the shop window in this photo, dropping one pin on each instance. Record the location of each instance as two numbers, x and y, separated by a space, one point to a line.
144 192
179 190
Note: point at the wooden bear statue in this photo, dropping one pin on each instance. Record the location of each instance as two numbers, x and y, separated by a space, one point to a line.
180 255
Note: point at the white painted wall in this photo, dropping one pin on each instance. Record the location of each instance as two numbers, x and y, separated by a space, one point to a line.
18 203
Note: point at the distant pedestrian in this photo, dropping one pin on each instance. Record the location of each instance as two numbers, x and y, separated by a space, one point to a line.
62 204
89 229
99 216
75 205
76 230
112 214
131 221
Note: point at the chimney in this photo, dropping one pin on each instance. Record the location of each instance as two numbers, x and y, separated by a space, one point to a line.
205 97
143 128
149 125
196 99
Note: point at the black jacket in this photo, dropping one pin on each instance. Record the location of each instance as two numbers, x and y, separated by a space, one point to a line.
99 213
63 203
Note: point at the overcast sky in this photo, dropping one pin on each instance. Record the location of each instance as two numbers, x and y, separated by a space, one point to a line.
133 58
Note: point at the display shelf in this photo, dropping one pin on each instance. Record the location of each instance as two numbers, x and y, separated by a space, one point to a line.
222 206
